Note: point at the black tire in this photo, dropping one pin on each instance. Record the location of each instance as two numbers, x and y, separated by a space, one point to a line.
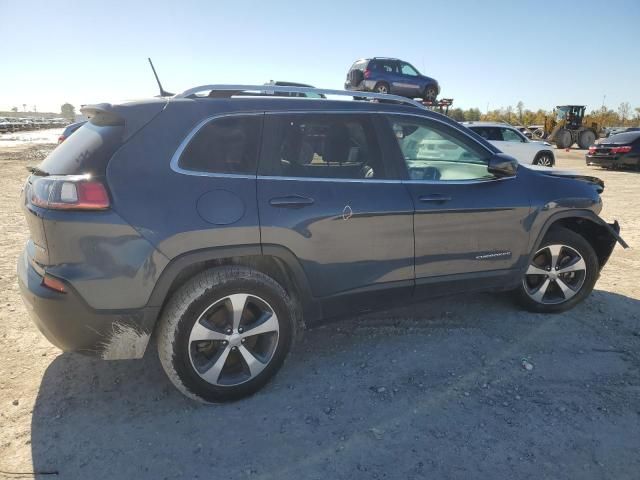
563 138
197 297
382 87
586 138
545 159
552 301
430 93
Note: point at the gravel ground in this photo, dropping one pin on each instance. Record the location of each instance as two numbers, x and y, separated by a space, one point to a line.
466 387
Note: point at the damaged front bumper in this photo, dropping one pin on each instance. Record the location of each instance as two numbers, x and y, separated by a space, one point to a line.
607 239
70 324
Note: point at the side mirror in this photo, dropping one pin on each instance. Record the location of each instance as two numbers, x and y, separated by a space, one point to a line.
502 165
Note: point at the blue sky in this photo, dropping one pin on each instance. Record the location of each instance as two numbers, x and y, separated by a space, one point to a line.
491 53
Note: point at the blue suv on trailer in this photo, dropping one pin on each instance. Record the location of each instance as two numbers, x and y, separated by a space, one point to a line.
391 75
224 225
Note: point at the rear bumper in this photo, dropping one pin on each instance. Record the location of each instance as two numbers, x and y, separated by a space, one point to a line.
613 160
69 323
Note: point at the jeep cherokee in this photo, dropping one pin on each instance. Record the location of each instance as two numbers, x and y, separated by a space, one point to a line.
224 225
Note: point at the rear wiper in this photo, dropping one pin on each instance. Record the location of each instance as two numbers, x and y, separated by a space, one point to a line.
37 171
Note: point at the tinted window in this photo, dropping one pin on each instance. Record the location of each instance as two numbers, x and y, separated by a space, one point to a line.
436 152
488 133
321 146
88 150
224 145
384 66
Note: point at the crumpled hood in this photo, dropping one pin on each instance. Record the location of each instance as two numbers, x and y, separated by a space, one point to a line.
557 172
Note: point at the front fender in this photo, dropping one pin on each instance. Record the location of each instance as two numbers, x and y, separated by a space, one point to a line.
603 235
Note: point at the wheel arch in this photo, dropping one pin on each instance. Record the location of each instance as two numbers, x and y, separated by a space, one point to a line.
600 235
546 151
275 261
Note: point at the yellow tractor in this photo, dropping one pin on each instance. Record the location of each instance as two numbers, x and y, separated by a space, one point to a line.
566 127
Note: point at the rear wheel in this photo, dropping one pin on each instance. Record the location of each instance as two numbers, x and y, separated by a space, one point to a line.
586 138
561 273
381 87
564 139
225 333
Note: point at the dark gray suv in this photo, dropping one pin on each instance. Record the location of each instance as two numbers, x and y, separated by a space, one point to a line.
225 225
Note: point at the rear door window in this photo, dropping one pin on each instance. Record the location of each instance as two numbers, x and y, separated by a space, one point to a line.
488 133
321 146
224 145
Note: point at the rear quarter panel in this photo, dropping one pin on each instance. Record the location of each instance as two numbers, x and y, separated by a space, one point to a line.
160 203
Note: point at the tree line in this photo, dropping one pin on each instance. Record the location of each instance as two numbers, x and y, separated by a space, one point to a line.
624 116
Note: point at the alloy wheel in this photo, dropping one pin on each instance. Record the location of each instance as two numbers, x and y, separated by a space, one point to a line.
544 161
382 89
556 274
234 339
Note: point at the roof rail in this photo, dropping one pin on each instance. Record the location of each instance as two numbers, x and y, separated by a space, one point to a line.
262 89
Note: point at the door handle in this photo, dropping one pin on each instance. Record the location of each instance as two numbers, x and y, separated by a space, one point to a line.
291 201
434 198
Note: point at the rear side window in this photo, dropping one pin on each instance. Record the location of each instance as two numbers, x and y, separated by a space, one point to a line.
224 145
322 146
489 133
385 66
87 151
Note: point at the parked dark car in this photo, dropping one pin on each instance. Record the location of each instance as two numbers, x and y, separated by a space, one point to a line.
5 125
225 225
69 130
619 150
390 75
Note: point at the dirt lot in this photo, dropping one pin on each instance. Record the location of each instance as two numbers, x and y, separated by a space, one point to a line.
436 390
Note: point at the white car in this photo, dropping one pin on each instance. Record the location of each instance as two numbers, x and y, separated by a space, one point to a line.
510 141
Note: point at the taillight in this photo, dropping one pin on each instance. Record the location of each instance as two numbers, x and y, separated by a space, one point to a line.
53 283
592 149
77 192
367 73
625 149
61 139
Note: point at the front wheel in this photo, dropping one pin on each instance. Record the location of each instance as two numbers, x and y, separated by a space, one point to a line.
561 273
430 94
544 159
225 333
563 138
